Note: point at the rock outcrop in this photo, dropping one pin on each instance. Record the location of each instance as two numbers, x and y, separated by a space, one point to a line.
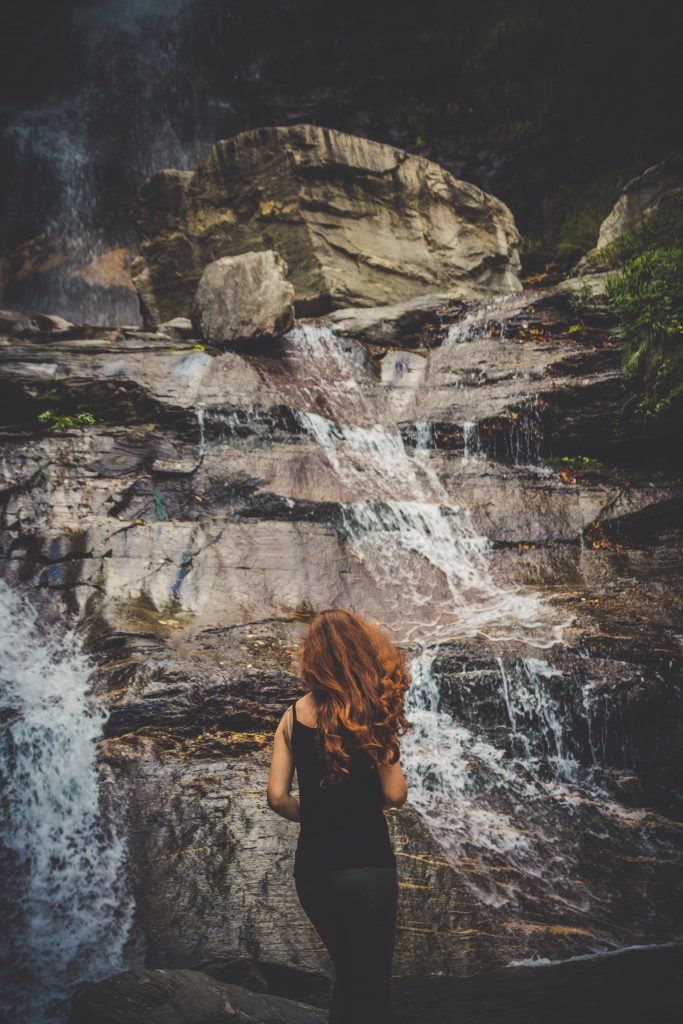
205 510
183 997
359 223
660 186
631 986
642 196
243 298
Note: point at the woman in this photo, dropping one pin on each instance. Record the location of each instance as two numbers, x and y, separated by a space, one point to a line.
342 738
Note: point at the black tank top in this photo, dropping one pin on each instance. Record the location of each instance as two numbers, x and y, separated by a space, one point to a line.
343 824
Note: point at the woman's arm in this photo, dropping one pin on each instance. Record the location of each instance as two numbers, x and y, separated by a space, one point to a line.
393 785
278 794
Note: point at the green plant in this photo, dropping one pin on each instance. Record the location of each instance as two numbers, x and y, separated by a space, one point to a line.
662 228
580 301
55 421
159 500
587 205
647 297
418 117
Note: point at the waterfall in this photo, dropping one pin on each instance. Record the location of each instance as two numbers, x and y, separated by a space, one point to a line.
66 908
507 773
417 544
72 184
537 835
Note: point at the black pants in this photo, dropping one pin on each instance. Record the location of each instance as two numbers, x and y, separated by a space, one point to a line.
354 912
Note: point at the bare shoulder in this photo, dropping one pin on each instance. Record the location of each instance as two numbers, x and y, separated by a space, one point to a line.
306 710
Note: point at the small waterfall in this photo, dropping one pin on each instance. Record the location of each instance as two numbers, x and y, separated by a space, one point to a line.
539 835
471 444
136 75
507 771
66 908
487 318
421 547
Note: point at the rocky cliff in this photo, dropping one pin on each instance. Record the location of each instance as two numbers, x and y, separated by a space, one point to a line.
467 473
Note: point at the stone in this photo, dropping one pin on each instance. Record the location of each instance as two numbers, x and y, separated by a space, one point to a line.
144 996
641 196
359 223
21 325
246 297
197 523
179 327
659 185
403 325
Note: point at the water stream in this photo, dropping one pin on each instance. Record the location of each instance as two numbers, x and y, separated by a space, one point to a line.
545 837
66 911
420 546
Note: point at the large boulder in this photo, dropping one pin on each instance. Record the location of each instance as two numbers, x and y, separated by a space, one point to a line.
642 196
243 297
144 996
359 223
659 188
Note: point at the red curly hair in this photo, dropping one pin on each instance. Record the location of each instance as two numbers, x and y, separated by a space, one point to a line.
358 679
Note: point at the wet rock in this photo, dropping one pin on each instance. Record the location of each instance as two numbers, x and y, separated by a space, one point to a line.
243 298
212 523
626 987
403 325
182 997
268 976
359 223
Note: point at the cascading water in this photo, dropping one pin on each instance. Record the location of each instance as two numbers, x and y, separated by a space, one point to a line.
71 184
399 514
537 826
66 909
542 839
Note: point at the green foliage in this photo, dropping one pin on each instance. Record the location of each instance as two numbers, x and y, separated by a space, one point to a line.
580 461
580 301
159 500
55 421
587 203
660 229
647 297
420 119
577 462
533 254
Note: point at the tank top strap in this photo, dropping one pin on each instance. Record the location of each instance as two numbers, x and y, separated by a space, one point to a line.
291 727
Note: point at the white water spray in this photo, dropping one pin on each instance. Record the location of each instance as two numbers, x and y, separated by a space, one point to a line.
399 518
495 767
66 908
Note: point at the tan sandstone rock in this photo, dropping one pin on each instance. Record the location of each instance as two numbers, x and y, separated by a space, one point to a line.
658 188
359 223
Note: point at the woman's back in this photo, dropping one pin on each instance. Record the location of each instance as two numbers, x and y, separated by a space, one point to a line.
344 734
342 823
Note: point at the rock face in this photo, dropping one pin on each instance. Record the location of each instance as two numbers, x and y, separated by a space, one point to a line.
359 223
641 196
242 298
636 985
219 499
660 185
